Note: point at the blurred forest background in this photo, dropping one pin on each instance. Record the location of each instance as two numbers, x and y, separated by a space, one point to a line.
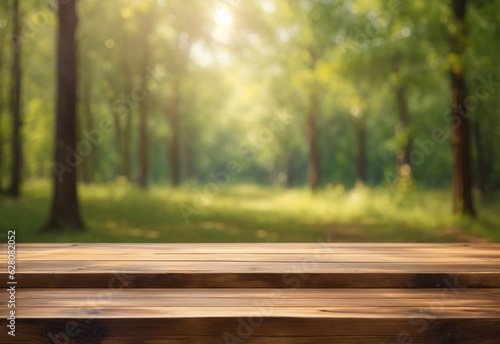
250 120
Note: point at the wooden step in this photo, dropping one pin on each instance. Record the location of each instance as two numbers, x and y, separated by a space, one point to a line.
314 265
241 315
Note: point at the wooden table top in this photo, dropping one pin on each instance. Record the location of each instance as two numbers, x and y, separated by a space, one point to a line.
256 293
262 265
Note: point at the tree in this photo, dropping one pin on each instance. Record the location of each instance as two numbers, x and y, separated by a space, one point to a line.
403 116
65 211
313 42
483 16
461 172
2 101
189 26
15 104
146 20
88 164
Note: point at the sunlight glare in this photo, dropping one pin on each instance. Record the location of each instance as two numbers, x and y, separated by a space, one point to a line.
223 22
223 17
356 111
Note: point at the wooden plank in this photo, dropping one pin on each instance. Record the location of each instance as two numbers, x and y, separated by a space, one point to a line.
113 314
126 279
74 298
258 246
262 293
424 316
271 248
308 266
103 303
441 258
306 274
264 330
311 265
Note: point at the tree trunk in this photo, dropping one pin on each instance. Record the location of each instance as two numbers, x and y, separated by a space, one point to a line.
403 136
88 164
404 151
143 145
119 144
485 158
290 171
65 211
143 129
361 156
127 131
461 180
15 182
174 142
190 155
312 136
2 102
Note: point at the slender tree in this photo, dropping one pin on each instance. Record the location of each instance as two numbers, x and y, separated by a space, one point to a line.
403 117
127 129
146 20
2 78
88 164
15 103
174 141
312 138
361 157
461 180
65 211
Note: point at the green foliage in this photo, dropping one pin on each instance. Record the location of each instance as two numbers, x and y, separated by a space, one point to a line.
241 66
405 189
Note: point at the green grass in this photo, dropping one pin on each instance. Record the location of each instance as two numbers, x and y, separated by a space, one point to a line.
245 213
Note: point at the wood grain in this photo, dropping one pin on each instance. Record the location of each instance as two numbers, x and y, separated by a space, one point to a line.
313 265
280 316
255 293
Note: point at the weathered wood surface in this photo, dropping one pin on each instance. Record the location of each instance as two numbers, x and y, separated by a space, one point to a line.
320 265
255 293
274 330
258 315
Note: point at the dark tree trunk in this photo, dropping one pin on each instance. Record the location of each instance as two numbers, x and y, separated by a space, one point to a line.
403 155
88 164
143 128
461 180
2 102
361 157
147 21
65 211
312 136
485 158
403 116
15 182
174 141
190 153
143 145
126 147
127 131
119 144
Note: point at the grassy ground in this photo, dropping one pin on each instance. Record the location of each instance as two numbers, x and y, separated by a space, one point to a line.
122 213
